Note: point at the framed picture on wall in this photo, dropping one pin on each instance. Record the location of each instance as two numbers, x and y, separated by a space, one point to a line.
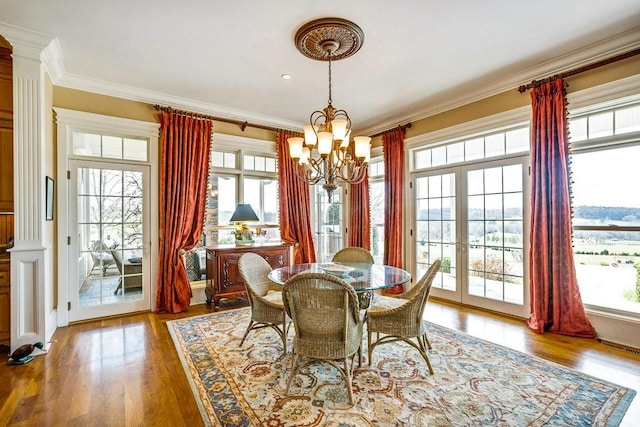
50 192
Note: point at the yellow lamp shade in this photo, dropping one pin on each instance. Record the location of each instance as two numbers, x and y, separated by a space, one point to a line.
325 141
363 147
304 158
310 137
345 141
295 147
339 128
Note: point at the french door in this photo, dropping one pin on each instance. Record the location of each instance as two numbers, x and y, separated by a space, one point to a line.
109 267
472 218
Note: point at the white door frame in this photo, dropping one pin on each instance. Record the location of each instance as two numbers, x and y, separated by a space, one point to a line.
75 311
69 121
461 294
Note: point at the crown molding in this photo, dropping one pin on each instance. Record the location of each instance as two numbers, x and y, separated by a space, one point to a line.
26 43
46 48
604 49
53 60
74 81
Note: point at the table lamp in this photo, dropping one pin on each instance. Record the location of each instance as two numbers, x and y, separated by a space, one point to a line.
243 213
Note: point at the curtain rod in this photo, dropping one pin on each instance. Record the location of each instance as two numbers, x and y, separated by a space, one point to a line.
616 58
399 127
245 124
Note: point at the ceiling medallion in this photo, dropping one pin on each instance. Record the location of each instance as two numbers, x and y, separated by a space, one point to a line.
345 37
327 154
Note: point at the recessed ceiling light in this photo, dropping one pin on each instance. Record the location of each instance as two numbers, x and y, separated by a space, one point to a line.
285 76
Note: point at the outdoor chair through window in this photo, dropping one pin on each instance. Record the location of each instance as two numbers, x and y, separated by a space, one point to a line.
101 256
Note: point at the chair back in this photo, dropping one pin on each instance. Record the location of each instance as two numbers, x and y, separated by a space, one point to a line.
419 294
353 255
324 311
116 258
254 271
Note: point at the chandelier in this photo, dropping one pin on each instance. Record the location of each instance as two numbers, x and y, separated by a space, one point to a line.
325 154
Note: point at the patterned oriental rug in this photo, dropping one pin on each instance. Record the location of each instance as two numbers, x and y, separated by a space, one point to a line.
476 383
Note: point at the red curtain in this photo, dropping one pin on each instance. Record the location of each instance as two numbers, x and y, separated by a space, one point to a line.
184 170
359 214
393 146
556 305
295 205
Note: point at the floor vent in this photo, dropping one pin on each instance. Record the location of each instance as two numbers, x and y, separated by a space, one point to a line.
622 347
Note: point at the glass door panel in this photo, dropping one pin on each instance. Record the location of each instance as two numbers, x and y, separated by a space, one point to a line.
111 264
494 249
436 228
495 240
328 220
472 218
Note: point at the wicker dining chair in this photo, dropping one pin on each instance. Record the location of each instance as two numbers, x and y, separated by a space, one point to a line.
265 298
353 255
327 323
400 317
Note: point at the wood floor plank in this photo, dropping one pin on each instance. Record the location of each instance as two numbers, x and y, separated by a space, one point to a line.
126 372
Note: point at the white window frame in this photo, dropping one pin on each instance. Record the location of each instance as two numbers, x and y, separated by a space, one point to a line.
376 157
610 326
69 121
242 146
604 143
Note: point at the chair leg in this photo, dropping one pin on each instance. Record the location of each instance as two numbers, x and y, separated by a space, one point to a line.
347 374
246 332
294 366
423 353
284 335
369 347
426 339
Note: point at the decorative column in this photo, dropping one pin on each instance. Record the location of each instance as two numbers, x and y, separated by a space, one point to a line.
32 310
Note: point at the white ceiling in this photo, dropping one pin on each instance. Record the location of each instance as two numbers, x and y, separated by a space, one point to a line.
226 57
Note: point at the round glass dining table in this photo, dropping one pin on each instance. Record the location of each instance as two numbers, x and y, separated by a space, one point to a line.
365 278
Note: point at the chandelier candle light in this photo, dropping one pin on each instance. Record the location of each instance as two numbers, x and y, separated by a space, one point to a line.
329 131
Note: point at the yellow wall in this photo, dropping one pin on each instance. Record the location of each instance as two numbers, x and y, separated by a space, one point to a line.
512 99
505 101
117 107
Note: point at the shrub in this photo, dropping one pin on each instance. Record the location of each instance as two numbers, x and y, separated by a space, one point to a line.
446 265
637 267
493 269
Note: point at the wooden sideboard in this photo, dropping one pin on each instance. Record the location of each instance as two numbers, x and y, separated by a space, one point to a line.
223 276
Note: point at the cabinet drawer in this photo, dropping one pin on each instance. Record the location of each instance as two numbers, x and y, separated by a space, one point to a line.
5 270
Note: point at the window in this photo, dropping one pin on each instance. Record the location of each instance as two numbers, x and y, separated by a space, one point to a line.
248 175
606 219
499 143
327 218
109 147
376 204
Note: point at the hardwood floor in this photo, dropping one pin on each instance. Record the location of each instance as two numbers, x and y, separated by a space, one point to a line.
125 371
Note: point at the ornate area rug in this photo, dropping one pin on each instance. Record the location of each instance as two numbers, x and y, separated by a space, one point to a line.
476 383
